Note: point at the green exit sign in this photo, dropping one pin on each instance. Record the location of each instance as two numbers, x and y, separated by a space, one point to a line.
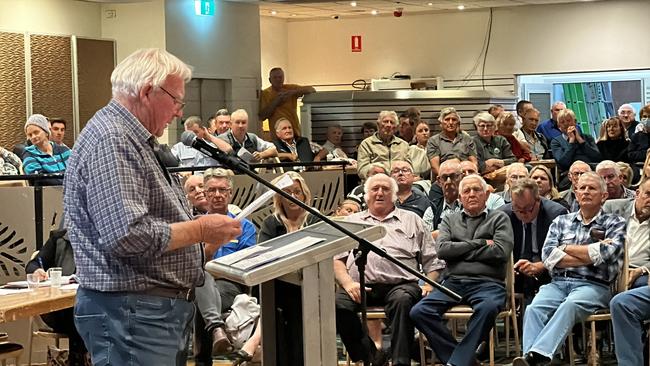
204 7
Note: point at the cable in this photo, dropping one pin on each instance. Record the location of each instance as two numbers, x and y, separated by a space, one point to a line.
487 48
466 78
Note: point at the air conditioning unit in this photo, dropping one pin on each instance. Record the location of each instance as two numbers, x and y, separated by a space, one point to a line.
434 83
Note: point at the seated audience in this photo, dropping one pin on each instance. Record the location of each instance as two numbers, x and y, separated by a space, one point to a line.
572 145
444 191
408 198
383 146
520 108
239 138
639 144
57 252
212 127
57 127
186 154
495 110
611 174
195 192
289 146
390 286
494 201
418 151
288 217
583 252
514 172
222 122
333 145
450 142
644 115
190 157
493 151
528 135
407 121
550 128
216 296
347 208
577 169
476 244
505 126
546 184
368 129
613 140
530 215
9 162
43 156
627 174
357 193
627 114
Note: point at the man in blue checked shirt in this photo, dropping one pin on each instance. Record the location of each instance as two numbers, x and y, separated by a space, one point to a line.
584 254
136 245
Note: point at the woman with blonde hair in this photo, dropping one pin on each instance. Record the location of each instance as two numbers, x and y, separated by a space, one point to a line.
505 125
544 179
613 140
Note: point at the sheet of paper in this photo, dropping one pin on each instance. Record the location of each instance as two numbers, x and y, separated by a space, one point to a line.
283 251
242 254
284 182
245 155
6 291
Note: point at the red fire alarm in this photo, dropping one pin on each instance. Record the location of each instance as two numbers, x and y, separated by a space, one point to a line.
356 43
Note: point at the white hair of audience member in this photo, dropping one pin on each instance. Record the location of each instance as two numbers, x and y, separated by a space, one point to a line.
380 176
379 165
147 66
447 111
594 175
558 104
608 164
191 121
218 173
484 185
483 116
514 166
390 114
566 114
453 163
626 106
579 162
240 113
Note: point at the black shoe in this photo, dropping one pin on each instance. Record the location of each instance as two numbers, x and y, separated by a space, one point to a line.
220 342
380 358
482 352
531 359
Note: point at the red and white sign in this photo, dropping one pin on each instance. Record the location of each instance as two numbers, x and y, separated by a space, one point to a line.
356 43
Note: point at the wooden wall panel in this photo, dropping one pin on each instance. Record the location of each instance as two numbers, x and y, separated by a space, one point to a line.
95 63
12 89
52 78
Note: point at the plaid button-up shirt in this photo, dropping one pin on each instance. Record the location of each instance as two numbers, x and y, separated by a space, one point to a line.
119 204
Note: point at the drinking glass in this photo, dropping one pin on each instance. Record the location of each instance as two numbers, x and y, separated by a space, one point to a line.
33 281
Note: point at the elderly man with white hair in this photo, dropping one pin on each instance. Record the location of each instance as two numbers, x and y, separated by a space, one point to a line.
476 243
494 151
451 142
549 128
611 174
388 285
383 146
627 114
137 248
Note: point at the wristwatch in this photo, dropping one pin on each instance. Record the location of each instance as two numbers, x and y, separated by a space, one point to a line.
561 247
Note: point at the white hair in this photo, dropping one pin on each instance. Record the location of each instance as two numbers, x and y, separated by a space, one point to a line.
579 162
391 114
483 116
626 106
147 66
558 103
608 164
473 176
369 181
514 166
598 178
240 113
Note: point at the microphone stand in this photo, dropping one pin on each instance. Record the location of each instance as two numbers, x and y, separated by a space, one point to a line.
361 253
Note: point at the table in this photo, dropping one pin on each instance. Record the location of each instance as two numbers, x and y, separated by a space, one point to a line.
27 304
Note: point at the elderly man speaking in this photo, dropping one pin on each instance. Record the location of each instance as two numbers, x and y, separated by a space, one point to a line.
387 285
136 247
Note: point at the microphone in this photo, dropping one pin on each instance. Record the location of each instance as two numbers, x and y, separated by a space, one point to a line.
189 138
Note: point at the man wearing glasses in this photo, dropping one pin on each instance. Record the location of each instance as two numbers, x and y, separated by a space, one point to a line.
577 169
494 151
408 198
444 191
531 217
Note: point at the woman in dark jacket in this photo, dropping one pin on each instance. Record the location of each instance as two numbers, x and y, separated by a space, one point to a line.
613 140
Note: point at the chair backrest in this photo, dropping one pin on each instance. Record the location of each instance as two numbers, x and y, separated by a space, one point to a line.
510 283
623 275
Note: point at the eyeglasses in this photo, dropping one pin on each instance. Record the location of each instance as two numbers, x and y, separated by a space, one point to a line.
577 174
296 192
484 127
404 171
176 100
453 177
212 191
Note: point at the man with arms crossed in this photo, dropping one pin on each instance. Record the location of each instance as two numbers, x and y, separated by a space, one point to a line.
137 249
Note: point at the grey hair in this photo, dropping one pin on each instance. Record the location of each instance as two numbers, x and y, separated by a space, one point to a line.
566 113
558 103
370 180
377 165
191 121
626 106
222 112
239 112
451 162
447 111
280 120
146 66
391 114
594 175
514 166
523 185
218 173
472 176
608 164
579 162
483 116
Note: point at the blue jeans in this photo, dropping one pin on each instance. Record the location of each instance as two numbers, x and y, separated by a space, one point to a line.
121 328
486 298
556 308
629 310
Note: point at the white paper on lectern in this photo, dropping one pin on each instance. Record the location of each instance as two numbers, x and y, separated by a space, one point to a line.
280 252
284 182
241 254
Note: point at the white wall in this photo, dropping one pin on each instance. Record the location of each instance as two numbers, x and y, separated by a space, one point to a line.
63 17
607 35
136 25
275 47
